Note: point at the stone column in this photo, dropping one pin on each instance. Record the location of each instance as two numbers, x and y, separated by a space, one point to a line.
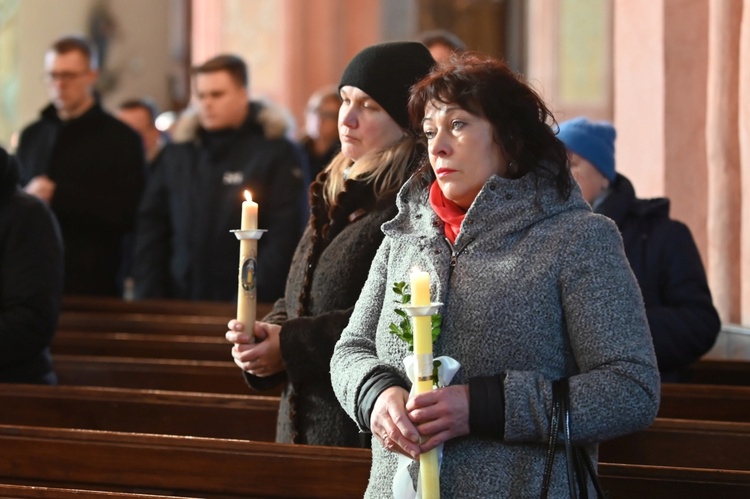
744 138
661 58
722 144
207 17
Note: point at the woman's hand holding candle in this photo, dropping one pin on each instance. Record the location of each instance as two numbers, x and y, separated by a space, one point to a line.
440 415
261 356
390 424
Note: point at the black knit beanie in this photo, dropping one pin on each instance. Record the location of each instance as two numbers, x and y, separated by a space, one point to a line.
386 72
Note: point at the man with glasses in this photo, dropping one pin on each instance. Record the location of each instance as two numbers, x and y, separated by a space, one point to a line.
87 165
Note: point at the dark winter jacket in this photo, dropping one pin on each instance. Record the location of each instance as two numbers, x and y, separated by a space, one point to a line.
683 321
31 281
97 163
328 271
183 245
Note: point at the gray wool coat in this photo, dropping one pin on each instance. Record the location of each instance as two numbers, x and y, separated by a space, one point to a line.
539 289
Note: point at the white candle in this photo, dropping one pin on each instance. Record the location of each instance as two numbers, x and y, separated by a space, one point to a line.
246 290
420 297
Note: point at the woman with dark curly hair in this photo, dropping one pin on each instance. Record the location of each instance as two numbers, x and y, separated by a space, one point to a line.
351 198
534 288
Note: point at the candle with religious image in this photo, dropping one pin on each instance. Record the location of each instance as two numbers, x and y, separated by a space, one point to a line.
247 288
429 475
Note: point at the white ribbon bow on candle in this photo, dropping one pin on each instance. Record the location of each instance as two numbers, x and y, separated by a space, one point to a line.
403 487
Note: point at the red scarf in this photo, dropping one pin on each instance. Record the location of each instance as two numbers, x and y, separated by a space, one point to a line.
448 211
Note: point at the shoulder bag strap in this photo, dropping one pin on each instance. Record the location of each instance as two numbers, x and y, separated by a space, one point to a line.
579 464
554 425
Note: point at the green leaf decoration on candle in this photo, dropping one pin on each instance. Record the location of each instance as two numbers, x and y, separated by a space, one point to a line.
403 328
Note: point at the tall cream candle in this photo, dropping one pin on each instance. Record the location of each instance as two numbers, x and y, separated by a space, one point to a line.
246 291
429 474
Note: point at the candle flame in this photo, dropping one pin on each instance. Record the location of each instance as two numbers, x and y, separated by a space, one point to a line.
415 269
248 196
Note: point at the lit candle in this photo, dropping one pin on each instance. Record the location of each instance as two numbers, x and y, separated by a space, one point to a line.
420 297
246 291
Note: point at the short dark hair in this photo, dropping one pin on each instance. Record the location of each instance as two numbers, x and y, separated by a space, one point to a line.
523 125
232 64
146 104
76 43
441 37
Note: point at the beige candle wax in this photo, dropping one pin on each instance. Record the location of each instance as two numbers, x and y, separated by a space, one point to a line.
246 291
420 297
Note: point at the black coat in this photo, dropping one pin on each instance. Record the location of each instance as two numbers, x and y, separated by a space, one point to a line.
97 163
665 260
31 280
183 245
328 272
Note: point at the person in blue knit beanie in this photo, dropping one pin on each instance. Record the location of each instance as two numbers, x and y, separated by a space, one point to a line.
594 143
662 253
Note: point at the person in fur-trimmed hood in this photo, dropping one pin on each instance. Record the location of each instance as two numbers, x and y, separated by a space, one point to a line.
534 288
351 198
31 281
183 247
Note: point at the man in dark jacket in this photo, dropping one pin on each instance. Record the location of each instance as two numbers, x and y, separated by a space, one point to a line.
31 280
87 165
194 197
662 253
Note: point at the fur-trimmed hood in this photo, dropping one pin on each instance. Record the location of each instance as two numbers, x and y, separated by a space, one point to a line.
274 120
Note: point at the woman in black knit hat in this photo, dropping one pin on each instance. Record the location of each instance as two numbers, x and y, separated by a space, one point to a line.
350 200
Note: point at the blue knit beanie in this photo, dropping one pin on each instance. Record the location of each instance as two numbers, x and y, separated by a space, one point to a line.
594 141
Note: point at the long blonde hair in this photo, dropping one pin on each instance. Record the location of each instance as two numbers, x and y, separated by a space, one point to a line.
386 169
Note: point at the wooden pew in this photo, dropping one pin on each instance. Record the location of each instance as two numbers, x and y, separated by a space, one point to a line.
679 458
97 322
142 317
705 402
141 411
153 374
31 492
626 481
229 468
165 464
683 443
153 306
721 372
161 346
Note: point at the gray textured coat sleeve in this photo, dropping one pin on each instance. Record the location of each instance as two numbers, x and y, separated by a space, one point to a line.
355 356
617 388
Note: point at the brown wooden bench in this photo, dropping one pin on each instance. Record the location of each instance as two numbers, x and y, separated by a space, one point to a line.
151 306
163 464
721 372
154 374
683 443
139 317
628 481
229 468
31 492
161 346
244 417
705 402
96 322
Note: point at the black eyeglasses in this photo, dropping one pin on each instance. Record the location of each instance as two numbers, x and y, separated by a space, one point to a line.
63 76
